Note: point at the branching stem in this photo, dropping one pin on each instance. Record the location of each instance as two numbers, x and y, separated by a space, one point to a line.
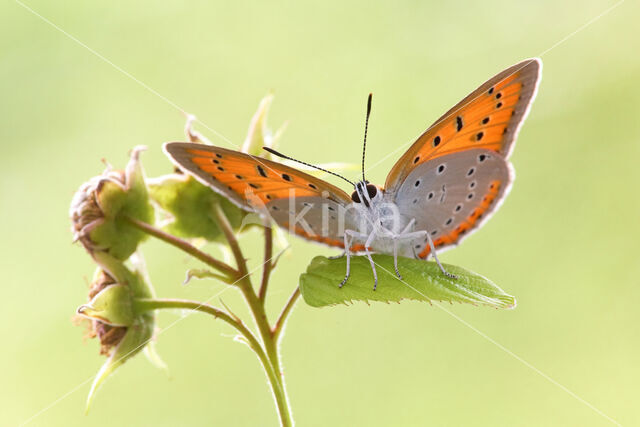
222 267
276 387
276 332
227 230
269 264
266 348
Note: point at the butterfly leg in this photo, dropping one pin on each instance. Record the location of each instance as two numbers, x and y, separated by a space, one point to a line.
420 235
395 246
433 251
348 237
395 258
373 265
415 254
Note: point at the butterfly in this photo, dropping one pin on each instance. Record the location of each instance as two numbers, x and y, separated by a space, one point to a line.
444 187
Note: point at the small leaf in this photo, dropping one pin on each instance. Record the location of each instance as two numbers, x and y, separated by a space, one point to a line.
422 281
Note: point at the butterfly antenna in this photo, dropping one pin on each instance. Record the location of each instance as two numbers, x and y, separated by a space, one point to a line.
366 126
275 153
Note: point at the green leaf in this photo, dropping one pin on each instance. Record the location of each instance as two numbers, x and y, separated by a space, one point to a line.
422 281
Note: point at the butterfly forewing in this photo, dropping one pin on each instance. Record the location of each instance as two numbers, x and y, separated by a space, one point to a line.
293 199
488 118
452 195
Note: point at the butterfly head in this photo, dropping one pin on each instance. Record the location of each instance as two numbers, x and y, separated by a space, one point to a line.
366 194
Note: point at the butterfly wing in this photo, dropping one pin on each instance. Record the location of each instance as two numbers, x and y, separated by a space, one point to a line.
489 118
456 173
451 196
293 199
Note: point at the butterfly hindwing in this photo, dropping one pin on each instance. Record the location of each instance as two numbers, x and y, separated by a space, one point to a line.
257 184
451 196
488 118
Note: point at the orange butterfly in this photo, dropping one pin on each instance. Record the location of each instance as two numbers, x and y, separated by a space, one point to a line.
444 187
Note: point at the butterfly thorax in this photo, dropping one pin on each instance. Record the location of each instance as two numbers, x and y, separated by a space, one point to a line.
378 216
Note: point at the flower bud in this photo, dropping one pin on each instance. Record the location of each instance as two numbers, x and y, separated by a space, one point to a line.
99 207
191 206
122 330
109 333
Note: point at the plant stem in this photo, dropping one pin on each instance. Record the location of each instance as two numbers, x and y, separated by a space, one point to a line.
254 303
268 265
275 382
267 349
222 267
225 226
279 326
148 304
256 306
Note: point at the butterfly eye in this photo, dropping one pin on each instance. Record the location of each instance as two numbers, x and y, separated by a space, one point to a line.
355 197
372 191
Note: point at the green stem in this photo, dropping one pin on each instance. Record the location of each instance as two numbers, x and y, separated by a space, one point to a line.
275 382
270 347
276 332
256 306
149 304
226 269
225 226
268 265
267 352
246 287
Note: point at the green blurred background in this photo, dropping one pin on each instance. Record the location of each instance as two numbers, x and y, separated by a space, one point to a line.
566 242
